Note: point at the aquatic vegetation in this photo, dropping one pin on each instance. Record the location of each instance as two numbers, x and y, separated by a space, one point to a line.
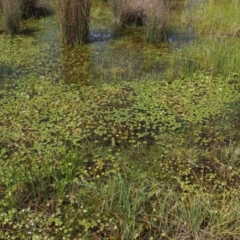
215 49
126 152
217 19
103 156
213 56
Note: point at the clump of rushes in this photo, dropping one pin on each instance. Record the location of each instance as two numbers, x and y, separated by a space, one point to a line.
14 10
153 14
74 21
128 12
157 12
11 15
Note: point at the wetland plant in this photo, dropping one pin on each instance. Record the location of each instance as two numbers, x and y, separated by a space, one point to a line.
152 14
11 15
15 10
74 21
127 12
156 23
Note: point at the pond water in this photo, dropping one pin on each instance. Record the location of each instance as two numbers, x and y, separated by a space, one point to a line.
111 55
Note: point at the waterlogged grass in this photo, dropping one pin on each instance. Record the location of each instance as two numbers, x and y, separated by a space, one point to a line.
213 56
150 159
101 16
217 18
215 49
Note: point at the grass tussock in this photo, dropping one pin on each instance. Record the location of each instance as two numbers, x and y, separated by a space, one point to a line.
153 14
216 47
74 21
15 10
157 13
127 12
11 15
211 56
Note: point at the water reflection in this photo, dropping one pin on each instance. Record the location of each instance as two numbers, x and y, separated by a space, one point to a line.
76 64
6 72
112 55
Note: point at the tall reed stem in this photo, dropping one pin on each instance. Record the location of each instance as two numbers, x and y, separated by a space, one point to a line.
74 21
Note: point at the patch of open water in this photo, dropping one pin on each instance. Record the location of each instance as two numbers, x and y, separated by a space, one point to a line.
111 55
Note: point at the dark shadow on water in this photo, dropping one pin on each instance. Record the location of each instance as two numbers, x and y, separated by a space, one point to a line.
5 70
100 36
6 73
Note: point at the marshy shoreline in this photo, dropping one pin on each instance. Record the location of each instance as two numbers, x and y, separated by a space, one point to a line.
123 138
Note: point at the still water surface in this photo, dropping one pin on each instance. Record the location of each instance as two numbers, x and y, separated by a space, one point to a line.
111 55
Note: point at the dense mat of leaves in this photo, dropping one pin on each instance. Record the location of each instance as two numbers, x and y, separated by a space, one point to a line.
57 141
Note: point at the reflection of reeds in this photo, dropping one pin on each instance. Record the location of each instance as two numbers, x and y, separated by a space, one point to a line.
153 14
74 21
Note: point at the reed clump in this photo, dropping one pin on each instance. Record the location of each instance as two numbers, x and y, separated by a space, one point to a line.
11 15
74 21
15 10
127 12
156 24
28 7
152 14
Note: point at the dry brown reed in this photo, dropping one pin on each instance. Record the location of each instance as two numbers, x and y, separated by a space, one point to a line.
27 7
74 21
157 18
153 14
11 15
128 12
14 10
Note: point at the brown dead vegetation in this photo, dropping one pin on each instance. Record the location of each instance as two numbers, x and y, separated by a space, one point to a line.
152 14
74 21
